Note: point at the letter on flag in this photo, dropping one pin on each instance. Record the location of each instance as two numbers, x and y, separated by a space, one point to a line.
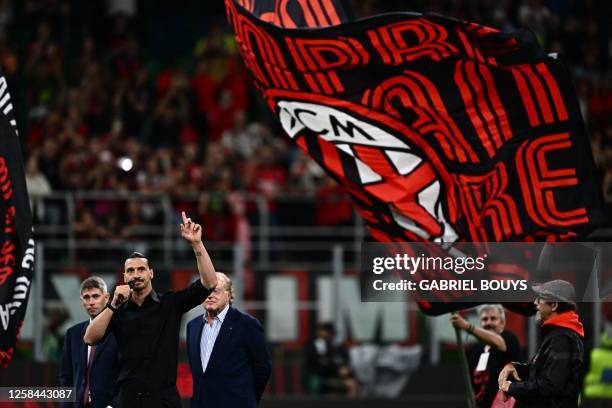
441 130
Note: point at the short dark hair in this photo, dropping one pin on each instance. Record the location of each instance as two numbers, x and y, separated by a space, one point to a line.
135 255
94 282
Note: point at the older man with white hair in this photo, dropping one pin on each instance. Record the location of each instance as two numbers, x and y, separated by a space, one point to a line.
496 348
228 356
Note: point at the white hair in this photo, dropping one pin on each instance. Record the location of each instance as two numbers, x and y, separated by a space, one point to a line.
500 309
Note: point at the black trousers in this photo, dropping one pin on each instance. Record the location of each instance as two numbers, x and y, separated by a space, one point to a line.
168 398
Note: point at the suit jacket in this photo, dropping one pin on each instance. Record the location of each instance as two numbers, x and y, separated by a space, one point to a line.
239 365
104 371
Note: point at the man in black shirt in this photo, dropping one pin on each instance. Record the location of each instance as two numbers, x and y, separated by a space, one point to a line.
146 325
496 348
553 377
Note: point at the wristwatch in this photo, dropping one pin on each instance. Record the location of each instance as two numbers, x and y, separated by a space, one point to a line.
111 307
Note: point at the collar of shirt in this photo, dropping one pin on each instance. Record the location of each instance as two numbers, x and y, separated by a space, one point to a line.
152 295
220 316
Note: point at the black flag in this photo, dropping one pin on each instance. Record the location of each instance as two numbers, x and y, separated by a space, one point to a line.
17 245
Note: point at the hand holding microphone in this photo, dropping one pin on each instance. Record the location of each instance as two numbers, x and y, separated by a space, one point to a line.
122 294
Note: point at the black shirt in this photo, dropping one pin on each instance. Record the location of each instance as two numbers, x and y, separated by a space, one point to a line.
485 383
148 337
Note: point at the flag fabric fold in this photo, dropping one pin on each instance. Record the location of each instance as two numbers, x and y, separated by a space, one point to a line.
440 130
17 253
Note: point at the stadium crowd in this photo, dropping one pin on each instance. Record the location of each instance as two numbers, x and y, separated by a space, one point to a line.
144 96
102 109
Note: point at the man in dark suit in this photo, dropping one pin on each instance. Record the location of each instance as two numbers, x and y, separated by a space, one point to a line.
229 360
92 371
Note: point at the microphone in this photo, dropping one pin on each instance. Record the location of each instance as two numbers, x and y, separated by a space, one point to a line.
122 298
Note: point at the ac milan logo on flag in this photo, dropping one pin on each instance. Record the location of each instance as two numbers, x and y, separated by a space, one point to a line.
357 140
441 130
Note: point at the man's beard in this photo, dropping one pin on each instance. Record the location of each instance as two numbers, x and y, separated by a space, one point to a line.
138 288
538 318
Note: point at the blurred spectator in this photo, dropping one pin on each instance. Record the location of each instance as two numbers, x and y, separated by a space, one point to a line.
96 94
126 59
205 89
49 163
215 211
267 176
89 55
86 227
8 58
242 139
222 115
90 100
43 71
123 7
333 205
52 335
131 102
328 364
6 15
534 15
38 187
305 174
171 114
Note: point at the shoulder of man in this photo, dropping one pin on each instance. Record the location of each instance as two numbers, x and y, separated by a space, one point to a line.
510 338
196 284
242 316
77 327
507 334
195 320
564 337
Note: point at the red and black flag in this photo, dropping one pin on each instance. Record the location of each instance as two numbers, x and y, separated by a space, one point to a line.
297 13
17 256
441 130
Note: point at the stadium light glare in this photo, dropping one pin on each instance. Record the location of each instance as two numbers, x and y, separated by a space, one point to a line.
125 163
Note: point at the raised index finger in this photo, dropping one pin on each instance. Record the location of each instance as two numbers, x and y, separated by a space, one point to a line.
184 217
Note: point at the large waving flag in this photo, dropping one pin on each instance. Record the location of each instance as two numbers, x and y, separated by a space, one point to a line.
17 253
441 130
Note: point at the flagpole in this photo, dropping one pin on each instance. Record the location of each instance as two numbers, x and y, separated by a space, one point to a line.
465 370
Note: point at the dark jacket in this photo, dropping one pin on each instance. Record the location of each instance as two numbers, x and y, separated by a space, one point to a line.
239 366
104 370
553 377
